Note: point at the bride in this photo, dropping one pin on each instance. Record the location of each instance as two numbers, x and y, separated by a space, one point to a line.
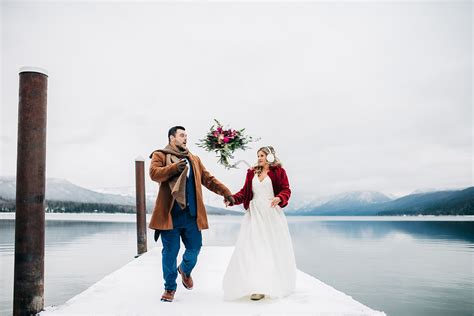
263 262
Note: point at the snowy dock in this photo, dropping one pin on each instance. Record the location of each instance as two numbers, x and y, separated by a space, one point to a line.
136 288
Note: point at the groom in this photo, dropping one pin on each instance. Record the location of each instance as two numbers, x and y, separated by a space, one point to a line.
179 211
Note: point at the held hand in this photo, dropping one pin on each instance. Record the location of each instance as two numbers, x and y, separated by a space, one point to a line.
276 201
229 200
181 165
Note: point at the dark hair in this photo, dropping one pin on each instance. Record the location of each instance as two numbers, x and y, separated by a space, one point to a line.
173 131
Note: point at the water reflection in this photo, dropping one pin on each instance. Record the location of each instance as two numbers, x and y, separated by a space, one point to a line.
401 267
456 231
77 254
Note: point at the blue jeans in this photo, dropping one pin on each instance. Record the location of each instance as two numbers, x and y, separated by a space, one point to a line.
184 227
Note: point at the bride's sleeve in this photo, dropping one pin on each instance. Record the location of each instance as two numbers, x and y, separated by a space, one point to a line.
239 197
285 191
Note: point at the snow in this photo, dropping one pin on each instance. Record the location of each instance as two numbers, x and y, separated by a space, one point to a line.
33 69
136 288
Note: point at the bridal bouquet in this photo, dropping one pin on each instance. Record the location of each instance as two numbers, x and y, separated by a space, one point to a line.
224 142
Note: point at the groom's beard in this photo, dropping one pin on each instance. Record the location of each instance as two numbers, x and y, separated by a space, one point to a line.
181 147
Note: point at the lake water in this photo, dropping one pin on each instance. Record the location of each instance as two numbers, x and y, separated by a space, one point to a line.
400 265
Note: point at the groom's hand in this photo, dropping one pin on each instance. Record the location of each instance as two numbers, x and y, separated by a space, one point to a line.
229 200
181 165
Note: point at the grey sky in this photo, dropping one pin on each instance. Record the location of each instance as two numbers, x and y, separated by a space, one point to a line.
353 96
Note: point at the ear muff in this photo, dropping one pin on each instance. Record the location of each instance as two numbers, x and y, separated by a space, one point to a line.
270 156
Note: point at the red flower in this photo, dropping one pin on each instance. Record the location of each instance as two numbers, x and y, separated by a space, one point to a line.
226 140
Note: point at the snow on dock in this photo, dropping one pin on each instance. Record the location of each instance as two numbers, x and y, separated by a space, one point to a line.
136 288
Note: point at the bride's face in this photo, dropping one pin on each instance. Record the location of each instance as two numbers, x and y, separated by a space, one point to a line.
262 158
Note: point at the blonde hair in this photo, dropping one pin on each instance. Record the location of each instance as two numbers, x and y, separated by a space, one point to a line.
267 150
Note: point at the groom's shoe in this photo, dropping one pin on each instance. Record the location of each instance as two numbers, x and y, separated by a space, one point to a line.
168 296
256 297
187 279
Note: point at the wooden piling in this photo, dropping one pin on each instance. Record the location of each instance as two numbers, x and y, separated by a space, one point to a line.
28 292
141 205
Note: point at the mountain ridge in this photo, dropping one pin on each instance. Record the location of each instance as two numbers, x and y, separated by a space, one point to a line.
350 203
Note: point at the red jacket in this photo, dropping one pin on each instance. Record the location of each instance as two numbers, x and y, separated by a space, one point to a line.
281 187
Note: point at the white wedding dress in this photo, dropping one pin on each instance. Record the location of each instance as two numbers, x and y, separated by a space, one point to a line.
263 260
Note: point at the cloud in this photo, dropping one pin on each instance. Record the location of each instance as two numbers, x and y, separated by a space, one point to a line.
359 96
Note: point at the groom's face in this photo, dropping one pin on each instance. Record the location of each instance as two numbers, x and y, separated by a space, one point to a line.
180 139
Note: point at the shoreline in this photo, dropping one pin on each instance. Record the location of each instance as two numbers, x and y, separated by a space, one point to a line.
129 218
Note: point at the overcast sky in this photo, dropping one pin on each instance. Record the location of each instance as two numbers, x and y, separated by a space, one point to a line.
353 96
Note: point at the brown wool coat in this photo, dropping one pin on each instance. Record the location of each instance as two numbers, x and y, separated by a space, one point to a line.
159 172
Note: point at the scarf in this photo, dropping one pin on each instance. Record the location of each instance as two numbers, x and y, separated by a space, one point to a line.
177 183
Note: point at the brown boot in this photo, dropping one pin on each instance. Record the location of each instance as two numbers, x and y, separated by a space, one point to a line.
256 297
187 279
168 296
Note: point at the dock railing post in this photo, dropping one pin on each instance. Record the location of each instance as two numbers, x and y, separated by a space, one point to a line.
28 284
141 206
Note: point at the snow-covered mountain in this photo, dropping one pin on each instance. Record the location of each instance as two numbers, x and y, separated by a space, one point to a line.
429 190
446 202
63 190
7 187
354 199
362 197
347 203
301 202
308 202
129 191
346 200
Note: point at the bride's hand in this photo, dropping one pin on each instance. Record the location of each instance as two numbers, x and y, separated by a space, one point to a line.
275 201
